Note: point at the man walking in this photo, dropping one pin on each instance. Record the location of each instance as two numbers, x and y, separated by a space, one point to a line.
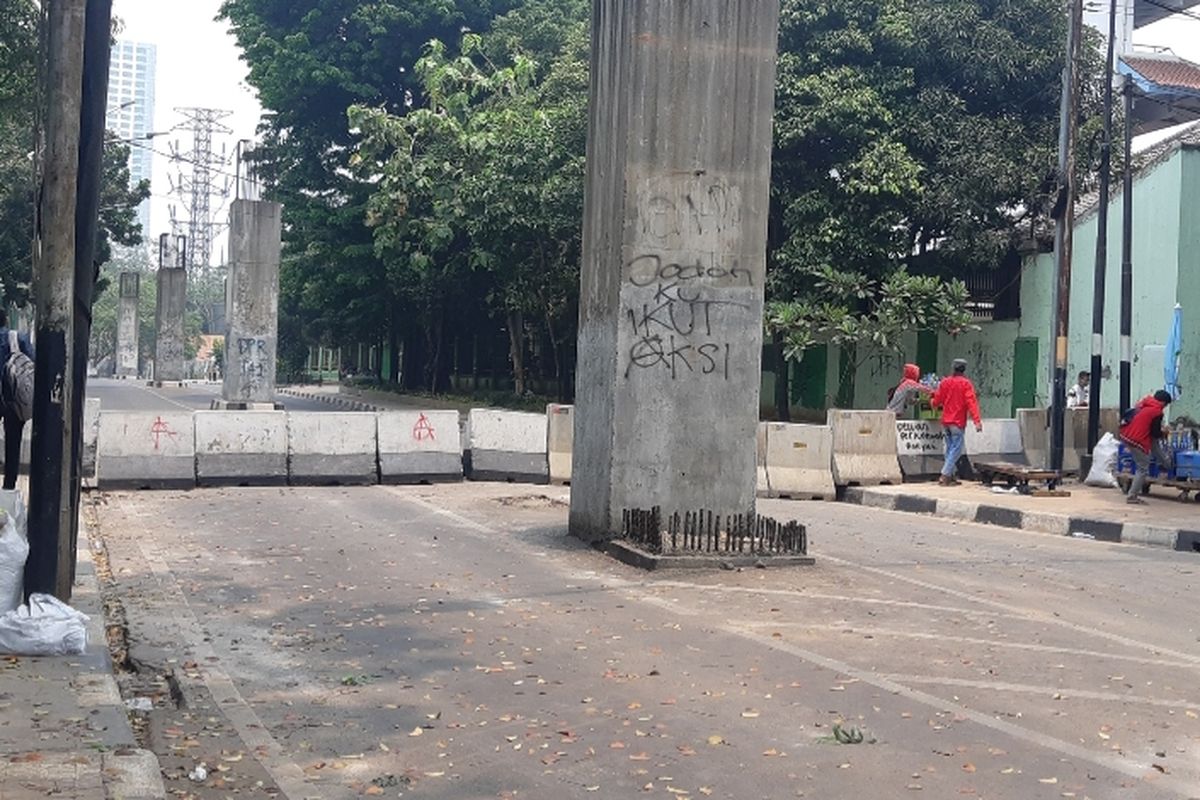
1143 435
16 391
955 396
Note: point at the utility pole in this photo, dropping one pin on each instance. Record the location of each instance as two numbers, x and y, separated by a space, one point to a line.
197 190
1063 236
1127 254
92 125
48 566
1101 272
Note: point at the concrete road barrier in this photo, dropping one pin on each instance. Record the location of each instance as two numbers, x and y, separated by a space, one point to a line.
91 435
241 448
508 446
560 439
864 448
1034 425
799 461
921 447
146 450
332 448
420 447
1000 441
762 487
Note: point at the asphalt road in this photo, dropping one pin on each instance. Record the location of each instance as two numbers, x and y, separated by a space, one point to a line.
453 642
128 395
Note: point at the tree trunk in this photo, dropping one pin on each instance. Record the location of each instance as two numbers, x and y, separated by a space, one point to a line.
516 350
557 355
783 405
847 369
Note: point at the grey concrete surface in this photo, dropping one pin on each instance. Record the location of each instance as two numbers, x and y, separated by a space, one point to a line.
131 395
674 258
455 642
254 253
170 311
127 325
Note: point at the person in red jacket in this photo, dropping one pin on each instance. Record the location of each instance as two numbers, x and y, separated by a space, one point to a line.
1143 435
955 396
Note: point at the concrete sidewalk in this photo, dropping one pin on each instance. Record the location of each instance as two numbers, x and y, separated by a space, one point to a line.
1089 512
64 730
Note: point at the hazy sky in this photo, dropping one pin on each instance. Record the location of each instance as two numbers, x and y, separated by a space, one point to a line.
198 65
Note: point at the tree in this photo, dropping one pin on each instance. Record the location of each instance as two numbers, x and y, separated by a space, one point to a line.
310 60
19 54
915 145
486 179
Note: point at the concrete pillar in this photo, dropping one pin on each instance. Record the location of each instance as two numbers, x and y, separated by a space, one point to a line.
254 250
675 239
127 325
169 318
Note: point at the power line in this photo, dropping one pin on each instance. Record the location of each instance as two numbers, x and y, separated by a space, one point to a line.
186 160
197 190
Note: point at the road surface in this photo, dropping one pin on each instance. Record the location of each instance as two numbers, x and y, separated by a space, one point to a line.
130 395
453 642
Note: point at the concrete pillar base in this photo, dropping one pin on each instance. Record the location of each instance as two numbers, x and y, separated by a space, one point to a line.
232 405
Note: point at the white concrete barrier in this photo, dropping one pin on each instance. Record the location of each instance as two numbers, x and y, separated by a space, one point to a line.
508 446
762 487
332 448
241 448
921 447
864 448
91 435
1000 441
799 461
146 450
1033 423
560 440
14 505
419 446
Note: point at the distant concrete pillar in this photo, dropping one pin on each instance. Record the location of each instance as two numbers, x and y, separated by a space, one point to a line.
675 240
169 318
127 325
253 291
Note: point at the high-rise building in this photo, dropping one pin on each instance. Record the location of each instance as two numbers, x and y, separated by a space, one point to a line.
131 111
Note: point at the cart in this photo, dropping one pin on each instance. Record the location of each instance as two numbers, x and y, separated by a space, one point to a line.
1018 475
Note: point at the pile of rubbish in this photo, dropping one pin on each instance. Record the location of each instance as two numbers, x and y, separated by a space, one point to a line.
43 626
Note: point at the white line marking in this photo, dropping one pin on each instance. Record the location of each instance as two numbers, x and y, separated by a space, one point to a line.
250 727
1025 688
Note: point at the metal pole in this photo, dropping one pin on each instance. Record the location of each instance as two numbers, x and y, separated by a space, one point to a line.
96 51
1101 272
1127 254
54 284
1063 235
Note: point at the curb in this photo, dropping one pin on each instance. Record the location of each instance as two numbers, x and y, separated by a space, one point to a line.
333 400
1178 539
128 772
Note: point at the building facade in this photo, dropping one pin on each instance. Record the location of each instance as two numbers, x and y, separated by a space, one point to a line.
131 110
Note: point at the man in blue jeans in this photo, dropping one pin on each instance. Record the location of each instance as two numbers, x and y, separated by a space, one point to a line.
955 396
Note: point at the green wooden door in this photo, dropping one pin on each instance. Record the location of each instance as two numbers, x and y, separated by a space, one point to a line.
1025 372
810 377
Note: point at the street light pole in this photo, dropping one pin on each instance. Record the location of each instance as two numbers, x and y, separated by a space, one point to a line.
1101 272
1063 236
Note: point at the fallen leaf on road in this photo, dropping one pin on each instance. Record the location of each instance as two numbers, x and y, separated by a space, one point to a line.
643 756
1047 780
771 752
686 750
750 713
716 739
417 731
968 767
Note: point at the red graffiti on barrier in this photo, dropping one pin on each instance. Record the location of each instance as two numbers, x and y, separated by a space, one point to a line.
423 431
159 429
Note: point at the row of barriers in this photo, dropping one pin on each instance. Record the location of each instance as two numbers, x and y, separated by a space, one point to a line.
183 449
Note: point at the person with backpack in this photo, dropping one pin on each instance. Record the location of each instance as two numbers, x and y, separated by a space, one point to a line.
908 393
16 395
1142 432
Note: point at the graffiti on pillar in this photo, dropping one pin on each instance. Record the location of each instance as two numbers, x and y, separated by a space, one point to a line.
253 356
423 430
681 283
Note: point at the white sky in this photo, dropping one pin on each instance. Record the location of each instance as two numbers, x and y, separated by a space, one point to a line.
198 65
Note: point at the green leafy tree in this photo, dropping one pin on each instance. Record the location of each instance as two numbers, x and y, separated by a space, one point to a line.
486 179
310 60
915 145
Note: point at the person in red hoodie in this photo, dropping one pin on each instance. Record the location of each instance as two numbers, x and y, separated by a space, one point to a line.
955 396
1143 435
910 389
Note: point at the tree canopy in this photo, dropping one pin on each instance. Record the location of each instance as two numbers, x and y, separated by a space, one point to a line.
430 156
